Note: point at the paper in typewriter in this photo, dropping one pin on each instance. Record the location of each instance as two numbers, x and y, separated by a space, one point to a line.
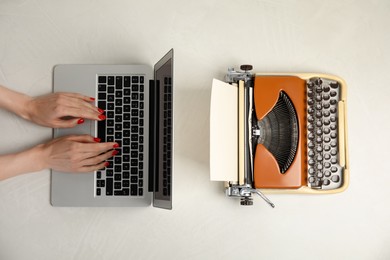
223 132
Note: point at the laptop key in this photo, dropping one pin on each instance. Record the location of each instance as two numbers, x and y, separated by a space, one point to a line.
118 82
126 191
110 80
102 79
134 79
126 81
101 131
109 186
133 189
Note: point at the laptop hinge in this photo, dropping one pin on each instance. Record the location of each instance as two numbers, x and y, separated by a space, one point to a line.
153 134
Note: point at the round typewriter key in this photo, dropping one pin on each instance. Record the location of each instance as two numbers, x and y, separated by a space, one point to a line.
326 139
333 152
311 162
318 81
326 122
334 85
327 173
326 147
333 93
310 94
310 110
311 153
326 105
333 144
311 145
318 114
318 89
318 97
319 131
326 88
318 123
333 134
326 97
333 110
326 130
311 171
319 166
333 127
333 101
310 136
310 101
327 165
310 127
326 182
319 106
326 113
310 119
333 169
335 178
333 119
311 179
319 149
319 158
310 84
319 140
333 160
320 174
327 156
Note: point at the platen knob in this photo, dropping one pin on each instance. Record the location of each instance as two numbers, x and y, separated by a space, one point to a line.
246 67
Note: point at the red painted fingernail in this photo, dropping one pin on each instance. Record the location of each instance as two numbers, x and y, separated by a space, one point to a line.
106 164
115 152
92 98
80 121
102 117
116 145
97 139
101 111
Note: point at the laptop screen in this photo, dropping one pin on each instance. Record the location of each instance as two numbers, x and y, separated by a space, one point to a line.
163 132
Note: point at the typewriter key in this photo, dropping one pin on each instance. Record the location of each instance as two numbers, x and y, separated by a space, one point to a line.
310 101
318 123
318 89
327 173
326 105
333 160
311 179
319 139
318 106
310 127
333 110
311 162
320 174
326 97
333 127
311 171
310 119
333 119
327 156
326 113
318 97
333 144
326 182
318 81
333 93
326 88
335 178
327 148
310 110
319 149
334 85
311 153
326 129
319 166
318 114
333 152
333 169
333 101
327 165
319 158
319 131
326 139
326 122
310 136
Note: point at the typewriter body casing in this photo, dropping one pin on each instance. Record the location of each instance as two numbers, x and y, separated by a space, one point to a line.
278 133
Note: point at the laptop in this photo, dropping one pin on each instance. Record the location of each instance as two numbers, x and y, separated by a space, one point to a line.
138 104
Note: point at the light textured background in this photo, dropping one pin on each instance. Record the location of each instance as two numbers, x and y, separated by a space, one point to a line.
347 38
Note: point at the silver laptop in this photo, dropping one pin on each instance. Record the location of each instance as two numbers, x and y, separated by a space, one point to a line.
139 108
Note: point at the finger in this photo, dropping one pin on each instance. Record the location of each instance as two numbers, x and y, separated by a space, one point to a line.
68 123
97 159
92 168
82 138
97 148
78 96
83 113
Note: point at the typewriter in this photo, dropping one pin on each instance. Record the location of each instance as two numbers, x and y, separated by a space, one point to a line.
278 133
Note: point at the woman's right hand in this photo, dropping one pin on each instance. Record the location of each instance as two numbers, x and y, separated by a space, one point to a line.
77 153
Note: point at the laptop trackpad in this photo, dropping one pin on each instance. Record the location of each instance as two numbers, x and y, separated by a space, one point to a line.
88 127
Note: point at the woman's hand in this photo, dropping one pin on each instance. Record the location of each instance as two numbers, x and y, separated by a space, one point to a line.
77 153
60 110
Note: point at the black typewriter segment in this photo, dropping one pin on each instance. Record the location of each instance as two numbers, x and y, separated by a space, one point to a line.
279 132
123 99
324 171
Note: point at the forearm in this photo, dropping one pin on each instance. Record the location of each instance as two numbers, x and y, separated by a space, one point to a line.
14 101
15 164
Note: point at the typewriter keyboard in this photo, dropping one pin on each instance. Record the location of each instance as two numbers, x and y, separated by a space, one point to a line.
324 170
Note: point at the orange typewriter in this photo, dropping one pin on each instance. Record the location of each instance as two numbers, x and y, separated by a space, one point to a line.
278 133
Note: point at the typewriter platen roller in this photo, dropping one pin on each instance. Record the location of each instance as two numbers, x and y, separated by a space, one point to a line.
291 134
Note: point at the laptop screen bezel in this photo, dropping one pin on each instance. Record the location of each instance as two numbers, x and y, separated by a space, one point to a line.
159 203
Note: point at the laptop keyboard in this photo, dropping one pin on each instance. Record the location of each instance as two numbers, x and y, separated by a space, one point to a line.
122 97
167 137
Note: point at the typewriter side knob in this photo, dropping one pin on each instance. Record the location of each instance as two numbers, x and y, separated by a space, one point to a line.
246 201
246 67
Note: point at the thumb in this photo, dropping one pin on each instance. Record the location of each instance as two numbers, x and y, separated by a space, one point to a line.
68 123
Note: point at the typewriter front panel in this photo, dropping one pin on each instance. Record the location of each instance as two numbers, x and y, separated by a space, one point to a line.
280 106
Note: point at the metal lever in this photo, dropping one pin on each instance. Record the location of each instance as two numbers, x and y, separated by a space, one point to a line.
247 191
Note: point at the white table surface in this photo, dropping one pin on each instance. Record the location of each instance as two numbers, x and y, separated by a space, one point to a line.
348 38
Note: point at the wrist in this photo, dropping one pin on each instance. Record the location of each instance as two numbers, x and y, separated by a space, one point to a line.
38 155
25 108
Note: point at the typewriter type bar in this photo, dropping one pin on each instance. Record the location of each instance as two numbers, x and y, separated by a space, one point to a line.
292 134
